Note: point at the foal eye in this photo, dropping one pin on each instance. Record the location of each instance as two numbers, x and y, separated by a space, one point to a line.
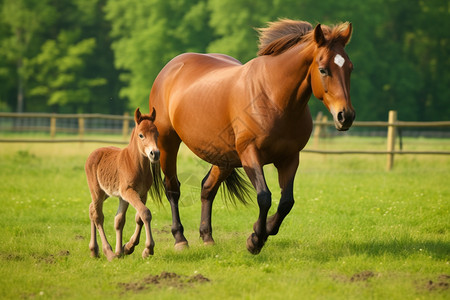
323 71
141 135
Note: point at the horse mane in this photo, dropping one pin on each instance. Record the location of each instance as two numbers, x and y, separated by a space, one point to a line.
283 34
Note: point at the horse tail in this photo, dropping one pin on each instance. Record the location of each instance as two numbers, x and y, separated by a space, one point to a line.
157 189
237 188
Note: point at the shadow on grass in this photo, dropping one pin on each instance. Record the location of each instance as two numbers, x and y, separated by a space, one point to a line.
331 250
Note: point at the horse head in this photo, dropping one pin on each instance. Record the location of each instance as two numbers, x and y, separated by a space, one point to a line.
330 73
147 135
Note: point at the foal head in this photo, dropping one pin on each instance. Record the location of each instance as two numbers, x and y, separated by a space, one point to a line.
330 73
146 135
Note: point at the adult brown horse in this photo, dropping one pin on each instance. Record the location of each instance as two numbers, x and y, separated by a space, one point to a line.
231 115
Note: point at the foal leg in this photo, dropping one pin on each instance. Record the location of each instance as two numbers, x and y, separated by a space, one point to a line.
134 240
253 167
286 174
93 245
119 223
210 186
144 213
97 217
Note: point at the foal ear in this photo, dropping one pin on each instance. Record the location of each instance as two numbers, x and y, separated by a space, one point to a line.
153 116
137 116
346 34
319 37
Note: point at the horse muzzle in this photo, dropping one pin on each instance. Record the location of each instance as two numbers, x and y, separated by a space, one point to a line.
343 120
153 155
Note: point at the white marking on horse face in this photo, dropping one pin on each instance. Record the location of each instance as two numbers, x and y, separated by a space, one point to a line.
148 150
339 60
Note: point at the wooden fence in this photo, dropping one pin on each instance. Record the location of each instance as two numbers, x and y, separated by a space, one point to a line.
392 126
123 124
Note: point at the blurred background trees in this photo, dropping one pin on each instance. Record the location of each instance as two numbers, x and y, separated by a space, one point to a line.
103 55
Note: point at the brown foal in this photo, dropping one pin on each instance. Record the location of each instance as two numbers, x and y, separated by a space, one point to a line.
124 173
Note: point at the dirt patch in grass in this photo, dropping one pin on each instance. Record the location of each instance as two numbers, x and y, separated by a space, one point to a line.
50 258
441 283
362 276
165 279
357 277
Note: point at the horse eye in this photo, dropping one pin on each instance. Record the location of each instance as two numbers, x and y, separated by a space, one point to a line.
141 135
323 71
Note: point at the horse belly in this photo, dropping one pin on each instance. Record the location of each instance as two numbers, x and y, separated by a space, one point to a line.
107 172
214 144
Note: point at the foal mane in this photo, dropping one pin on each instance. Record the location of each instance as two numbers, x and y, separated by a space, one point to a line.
283 34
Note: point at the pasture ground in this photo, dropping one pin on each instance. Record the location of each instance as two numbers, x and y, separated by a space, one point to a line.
355 232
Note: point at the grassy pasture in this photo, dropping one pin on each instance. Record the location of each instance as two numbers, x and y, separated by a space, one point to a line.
355 232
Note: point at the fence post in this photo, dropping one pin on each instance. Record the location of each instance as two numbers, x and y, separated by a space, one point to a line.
125 126
317 130
52 127
391 139
81 127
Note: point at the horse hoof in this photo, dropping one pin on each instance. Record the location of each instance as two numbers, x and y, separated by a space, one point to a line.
111 257
181 246
209 243
147 252
128 250
253 247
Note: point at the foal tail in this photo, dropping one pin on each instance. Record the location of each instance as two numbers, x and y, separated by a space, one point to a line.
237 188
157 189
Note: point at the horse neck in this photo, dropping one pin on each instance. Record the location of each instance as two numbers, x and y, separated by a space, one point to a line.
288 76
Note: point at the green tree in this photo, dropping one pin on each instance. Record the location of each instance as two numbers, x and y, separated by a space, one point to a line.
59 51
148 34
23 21
234 23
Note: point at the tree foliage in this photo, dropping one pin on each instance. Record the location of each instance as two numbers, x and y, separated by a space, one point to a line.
103 55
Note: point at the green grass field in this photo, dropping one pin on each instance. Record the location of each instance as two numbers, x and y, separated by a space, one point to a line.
355 232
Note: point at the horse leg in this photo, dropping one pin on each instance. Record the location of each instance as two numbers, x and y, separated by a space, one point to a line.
210 186
97 217
253 167
286 174
134 240
145 215
168 159
93 245
119 223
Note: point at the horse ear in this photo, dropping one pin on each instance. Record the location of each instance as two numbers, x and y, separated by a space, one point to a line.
347 34
137 116
319 37
153 116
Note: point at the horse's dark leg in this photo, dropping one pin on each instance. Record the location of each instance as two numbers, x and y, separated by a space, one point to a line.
286 174
253 167
169 150
210 186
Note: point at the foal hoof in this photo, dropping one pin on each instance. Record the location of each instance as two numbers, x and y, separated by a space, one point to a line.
181 246
111 257
128 250
252 246
147 252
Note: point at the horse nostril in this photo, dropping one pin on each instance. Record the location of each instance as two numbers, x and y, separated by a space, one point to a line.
155 154
340 117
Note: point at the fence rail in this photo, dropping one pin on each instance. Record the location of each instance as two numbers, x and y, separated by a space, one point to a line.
82 124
